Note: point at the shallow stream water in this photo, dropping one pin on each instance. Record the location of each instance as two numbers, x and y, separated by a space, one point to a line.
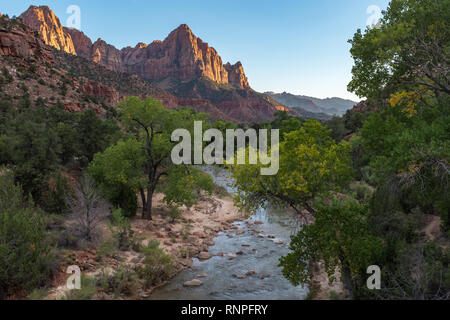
262 255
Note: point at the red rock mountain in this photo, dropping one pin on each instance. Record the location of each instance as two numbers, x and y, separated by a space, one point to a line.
20 43
183 65
181 56
43 20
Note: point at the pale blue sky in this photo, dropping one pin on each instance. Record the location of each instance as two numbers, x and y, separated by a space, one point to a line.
296 46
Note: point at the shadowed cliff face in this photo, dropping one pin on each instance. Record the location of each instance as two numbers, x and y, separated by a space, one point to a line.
43 20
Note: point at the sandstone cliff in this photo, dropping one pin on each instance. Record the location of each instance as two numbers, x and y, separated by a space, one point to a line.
181 56
17 42
43 20
189 71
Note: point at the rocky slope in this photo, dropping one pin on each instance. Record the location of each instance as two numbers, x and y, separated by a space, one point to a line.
17 41
32 71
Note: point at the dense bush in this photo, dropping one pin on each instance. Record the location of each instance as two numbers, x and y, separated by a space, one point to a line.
158 266
121 229
25 255
39 140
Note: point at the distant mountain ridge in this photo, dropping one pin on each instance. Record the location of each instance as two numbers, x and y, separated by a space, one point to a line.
331 106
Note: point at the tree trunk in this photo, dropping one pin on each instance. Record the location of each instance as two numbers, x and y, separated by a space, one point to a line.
347 281
150 191
144 203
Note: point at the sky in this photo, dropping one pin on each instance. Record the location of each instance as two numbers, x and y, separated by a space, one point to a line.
297 46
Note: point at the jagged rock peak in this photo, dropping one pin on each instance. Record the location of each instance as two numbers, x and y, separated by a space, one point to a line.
43 20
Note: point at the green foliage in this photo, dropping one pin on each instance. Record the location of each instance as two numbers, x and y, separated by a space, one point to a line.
94 134
25 255
409 49
54 198
362 190
184 184
174 213
87 291
38 141
121 229
123 283
402 148
340 236
139 163
311 163
39 294
338 128
7 77
410 154
158 266
119 173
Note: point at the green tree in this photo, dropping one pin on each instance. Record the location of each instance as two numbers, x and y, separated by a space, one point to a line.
409 50
94 134
341 237
119 171
25 254
144 160
311 164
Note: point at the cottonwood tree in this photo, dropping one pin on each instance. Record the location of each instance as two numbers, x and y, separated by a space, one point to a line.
142 161
311 164
409 50
341 237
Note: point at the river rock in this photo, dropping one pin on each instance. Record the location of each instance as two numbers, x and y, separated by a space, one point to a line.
245 245
258 222
279 242
250 273
219 254
193 283
204 256
231 256
271 236
239 232
203 275
240 252
200 234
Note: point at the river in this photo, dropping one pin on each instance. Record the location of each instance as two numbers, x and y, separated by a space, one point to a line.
262 256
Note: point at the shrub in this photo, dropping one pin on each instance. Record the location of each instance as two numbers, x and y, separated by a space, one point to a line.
8 77
123 197
86 292
174 213
25 255
107 248
55 195
121 229
39 294
123 283
158 266
363 190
